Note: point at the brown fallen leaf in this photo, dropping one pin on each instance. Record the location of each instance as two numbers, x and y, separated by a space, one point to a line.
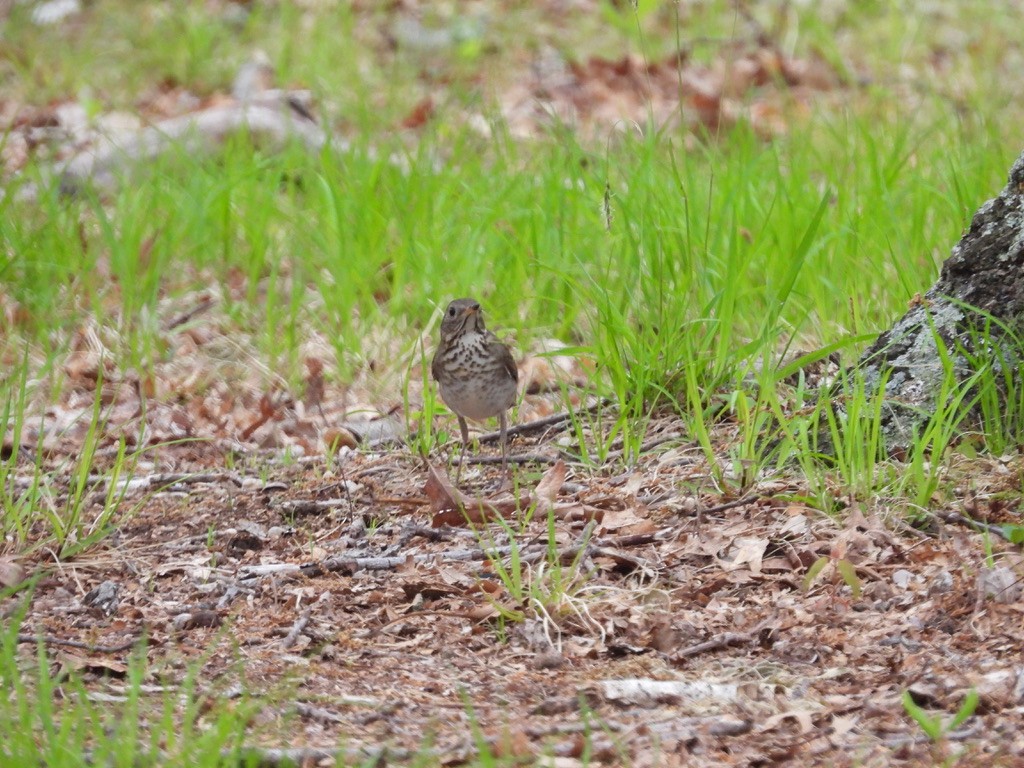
337 438
314 383
268 408
573 513
73 662
802 717
626 520
544 370
420 114
453 507
662 637
483 611
146 250
549 486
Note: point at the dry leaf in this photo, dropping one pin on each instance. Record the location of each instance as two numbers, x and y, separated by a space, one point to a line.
452 507
748 550
549 486
614 520
314 384
577 513
420 114
74 662
12 573
337 438
803 717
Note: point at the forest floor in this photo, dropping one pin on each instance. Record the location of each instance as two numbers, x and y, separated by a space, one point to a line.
612 619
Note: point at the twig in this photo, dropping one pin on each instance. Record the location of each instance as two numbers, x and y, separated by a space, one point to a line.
963 734
636 539
310 506
177 478
528 553
548 421
514 458
540 458
723 640
296 630
949 516
416 501
591 548
270 757
51 640
586 545
271 116
414 614
354 564
184 317
159 481
621 558
732 504
411 532
319 714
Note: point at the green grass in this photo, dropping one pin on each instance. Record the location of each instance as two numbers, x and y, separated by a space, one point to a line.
47 713
715 257
748 241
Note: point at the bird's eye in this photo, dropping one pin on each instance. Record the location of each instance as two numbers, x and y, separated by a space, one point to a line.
451 311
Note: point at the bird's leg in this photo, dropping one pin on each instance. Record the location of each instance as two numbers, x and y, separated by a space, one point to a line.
464 429
503 428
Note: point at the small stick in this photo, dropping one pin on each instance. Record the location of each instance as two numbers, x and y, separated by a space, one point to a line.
654 442
732 504
533 426
189 314
516 458
414 614
296 630
276 757
955 517
723 640
51 640
382 563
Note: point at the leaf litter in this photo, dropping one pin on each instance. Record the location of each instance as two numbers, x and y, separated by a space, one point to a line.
673 622
355 581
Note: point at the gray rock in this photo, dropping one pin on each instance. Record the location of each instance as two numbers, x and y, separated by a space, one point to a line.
983 279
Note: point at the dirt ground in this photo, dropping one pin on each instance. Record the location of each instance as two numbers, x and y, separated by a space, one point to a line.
680 629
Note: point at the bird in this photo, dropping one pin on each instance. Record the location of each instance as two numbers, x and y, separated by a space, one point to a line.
475 372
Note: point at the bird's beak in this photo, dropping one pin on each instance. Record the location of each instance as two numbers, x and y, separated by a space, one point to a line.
470 311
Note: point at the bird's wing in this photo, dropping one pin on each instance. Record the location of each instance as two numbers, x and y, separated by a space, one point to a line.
435 364
502 352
